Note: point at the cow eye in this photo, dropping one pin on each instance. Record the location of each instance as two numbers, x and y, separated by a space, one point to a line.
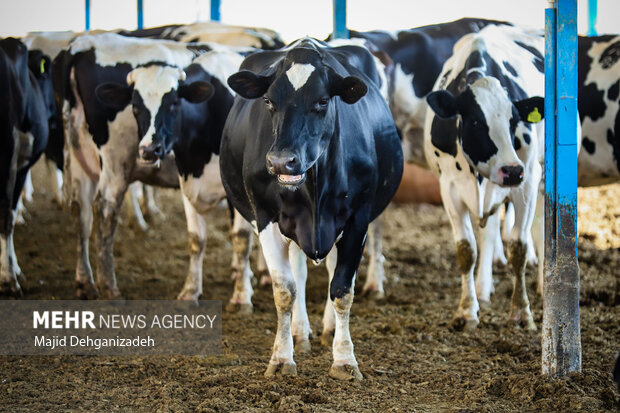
321 104
269 104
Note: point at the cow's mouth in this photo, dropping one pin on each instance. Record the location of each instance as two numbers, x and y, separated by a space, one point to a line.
154 162
292 180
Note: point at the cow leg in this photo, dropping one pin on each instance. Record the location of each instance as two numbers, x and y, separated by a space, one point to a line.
197 229
487 239
241 235
525 205
466 316
329 315
538 235
55 180
108 203
376 273
150 204
9 269
28 188
300 324
349 250
135 193
21 212
261 268
276 252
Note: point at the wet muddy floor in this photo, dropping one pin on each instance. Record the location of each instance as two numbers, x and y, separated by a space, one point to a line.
410 358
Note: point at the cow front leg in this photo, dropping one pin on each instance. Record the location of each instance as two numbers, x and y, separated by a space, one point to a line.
349 254
241 235
107 207
466 316
300 324
276 252
151 209
376 273
135 194
488 237
197 230
9 269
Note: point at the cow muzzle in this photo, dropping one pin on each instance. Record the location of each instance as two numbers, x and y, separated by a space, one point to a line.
511 175
286 167
151 154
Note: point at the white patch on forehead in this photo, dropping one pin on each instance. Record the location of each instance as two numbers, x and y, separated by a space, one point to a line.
298 74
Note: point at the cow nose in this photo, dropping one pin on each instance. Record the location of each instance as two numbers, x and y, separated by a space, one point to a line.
282 163
512 175
151 153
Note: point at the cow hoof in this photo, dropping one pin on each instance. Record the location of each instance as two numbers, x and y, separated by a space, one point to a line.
189 295
282 369
86 291
110 294
11 288
461 323
327 338
240 308
265 279
525 322
345 372
374 295
21 277
302 346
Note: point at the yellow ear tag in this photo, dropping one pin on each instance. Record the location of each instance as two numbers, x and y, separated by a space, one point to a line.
534 116
42 66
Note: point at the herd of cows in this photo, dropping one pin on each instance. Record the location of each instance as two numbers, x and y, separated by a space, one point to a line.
306 142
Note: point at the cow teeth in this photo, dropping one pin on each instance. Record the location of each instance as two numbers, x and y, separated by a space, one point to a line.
290 179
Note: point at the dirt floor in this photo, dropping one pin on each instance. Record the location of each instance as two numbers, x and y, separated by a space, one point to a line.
410 358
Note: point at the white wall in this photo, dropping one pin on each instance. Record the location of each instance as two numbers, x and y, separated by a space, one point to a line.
293 18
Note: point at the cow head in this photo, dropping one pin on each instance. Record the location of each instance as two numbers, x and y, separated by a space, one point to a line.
487 123
156 93
40 66
299 93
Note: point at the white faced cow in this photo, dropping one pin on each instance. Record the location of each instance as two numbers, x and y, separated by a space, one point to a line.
103 137
310 155
482 141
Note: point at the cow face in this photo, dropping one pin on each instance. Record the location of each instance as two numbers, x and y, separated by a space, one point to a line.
40 66
299 95
487 123
156 93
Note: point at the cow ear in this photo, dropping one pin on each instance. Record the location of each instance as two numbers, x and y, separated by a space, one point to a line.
443 103
531 110
249 85
350 89
196 92
114 95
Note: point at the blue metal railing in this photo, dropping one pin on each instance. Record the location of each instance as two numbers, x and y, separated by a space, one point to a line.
340 20
215 10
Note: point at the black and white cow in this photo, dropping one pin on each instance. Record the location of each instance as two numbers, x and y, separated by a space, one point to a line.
310 156
599 109
418 56
191 128
483 140
231 35
103 137
23 136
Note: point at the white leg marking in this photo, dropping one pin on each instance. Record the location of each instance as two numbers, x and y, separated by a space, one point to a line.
276 252
300 324
487 239
241 235
376 272
135 193
329 320
197 229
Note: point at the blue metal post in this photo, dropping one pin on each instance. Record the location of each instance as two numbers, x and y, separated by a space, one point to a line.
561 335
140 14
592 16
215 10
87 15
340 20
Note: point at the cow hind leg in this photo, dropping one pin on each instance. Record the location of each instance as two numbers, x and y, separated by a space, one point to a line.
151 210
135 194
300 324
197 229
487 240
376 273
261 268
241 235
276 253
329 316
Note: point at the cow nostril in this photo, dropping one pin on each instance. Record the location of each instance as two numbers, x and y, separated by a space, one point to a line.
291 163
